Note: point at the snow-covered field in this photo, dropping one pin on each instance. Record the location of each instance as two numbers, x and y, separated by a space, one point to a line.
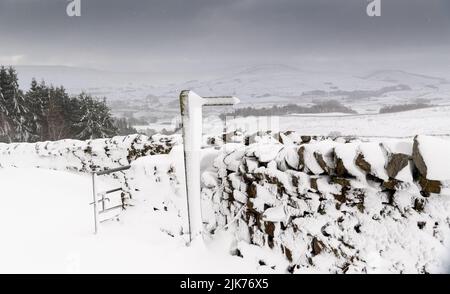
429 121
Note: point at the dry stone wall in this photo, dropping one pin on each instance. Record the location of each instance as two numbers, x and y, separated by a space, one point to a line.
87 156
336 205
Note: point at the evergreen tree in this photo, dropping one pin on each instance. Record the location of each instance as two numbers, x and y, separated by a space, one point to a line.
57 122
37 97
5 122
49 113
4 119
96 121
53 117
17 113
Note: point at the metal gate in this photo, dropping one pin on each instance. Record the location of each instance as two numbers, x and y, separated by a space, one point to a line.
103 196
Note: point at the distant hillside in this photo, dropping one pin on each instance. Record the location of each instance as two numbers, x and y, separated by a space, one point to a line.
403 77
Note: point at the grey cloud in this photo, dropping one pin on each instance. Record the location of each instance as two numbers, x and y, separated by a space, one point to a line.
170 33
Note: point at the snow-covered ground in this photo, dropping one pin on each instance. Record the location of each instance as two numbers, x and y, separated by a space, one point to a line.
46 222
409 123
47 227
429 121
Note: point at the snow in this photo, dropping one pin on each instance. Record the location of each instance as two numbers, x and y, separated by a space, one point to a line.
347 153
258 84
239 196
265 196
47 224
405 175
328 114
209 179
47 227
375 156
85 156
401 147
264 152
60 239
291 156
275 214
436 154
430 121
324 149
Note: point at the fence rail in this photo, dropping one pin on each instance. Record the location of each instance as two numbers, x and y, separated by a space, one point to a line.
113 170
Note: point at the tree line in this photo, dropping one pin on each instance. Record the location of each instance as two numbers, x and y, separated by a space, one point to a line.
45 112
404 107
327 106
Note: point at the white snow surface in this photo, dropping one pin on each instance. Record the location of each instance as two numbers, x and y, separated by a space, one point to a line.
47 227
436 153
427 121
374 155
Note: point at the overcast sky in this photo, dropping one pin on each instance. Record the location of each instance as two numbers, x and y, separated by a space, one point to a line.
148 35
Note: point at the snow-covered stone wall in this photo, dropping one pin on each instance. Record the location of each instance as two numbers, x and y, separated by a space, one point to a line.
84 156
87 156
336 205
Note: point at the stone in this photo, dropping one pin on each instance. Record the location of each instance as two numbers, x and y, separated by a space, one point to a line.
317 246
430 186
363 164
418 159
396 163
323 165
301 158
341 171
306 139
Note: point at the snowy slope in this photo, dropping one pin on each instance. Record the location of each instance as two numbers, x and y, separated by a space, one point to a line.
403 77
265 82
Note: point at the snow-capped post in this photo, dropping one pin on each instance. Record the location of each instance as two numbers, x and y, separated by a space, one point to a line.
191 114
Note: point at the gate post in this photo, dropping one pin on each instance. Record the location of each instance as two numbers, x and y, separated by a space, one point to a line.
95 202
191 114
